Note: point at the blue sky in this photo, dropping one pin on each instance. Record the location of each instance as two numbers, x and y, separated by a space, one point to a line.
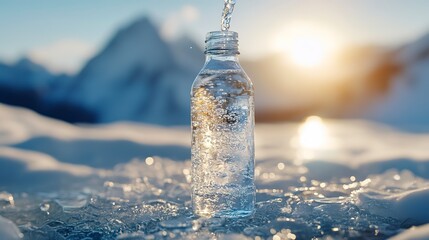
34 26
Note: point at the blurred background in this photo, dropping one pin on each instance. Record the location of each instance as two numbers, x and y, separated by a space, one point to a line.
102 61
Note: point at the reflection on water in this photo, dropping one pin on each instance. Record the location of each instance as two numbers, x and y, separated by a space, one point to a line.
313 139
313 133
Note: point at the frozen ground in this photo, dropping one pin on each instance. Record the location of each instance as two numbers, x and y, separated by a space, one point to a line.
321 179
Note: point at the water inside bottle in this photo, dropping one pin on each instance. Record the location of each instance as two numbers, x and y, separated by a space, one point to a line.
223 151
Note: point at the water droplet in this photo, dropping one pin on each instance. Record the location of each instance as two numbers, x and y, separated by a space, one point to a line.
277 237
149 161
44 207
6 199
291 236
109 184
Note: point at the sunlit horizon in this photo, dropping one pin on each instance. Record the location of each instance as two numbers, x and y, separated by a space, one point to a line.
36 33
307 45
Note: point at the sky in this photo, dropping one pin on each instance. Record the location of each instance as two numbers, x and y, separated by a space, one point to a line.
63 34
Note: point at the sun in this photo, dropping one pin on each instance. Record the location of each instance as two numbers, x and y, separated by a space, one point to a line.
307 45
308 51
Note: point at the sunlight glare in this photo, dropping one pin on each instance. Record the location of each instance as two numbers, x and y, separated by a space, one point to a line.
307 45
306 51
313 133
314 140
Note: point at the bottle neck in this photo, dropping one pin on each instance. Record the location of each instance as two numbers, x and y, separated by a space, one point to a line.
222 44
222 50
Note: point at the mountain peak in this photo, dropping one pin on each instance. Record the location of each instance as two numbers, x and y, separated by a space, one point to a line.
141 23
141 26
136 44
135 49
27 66
138 76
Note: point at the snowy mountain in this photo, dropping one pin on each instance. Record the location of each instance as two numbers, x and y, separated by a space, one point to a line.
25 75
138 77
28 84
24 84
406 103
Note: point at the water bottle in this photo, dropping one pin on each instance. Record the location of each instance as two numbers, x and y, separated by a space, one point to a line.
222 121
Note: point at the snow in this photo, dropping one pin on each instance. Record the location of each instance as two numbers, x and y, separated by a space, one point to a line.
409 206
414 233
8 230
320 178
414 51
405 104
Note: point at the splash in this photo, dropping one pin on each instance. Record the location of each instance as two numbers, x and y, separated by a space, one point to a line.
227 14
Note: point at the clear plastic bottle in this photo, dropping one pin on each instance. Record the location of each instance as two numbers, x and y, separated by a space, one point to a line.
222 113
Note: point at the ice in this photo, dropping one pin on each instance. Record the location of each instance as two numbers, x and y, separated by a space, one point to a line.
374 185
153 207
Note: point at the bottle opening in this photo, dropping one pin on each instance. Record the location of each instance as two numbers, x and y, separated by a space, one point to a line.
222 43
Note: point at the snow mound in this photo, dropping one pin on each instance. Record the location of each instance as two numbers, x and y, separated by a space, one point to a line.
400 196
414 233
8 230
